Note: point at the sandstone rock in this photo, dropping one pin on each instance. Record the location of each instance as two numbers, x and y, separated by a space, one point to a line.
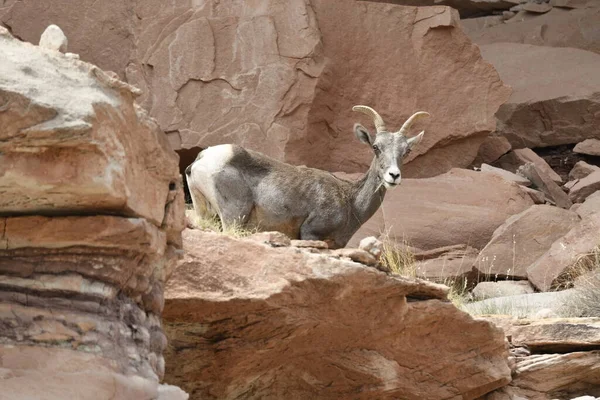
504 174
275 239
432 213
449 264
315 244
558 335
581 170
486 290
573 3
545 184
88 148
92 211
207 80
357 255
492 148
372 245
522 239
537 196
559 27
539 112
347 34
275 314
567 186
588 146
551 269
53 374
513 160
53 38
547 373
585 187
539 8
590 206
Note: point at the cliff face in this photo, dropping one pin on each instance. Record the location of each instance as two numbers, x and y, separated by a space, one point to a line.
282 77
92 213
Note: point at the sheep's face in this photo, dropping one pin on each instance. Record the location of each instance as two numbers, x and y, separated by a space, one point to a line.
389 149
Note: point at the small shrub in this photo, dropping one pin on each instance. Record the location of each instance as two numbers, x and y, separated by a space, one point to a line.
585 301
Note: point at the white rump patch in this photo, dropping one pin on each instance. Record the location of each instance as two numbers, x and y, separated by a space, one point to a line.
205 169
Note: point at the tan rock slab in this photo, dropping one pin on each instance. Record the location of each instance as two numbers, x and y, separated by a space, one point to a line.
585 187
507 175
545 184
551 372
278 313
582 169
555 335
537 196
516 158
55 374
315 244
73 140
589 146
447 265
548 270
522 239
275 239
539 112
540 8
432 213
358 255
590 206
94 231
492 148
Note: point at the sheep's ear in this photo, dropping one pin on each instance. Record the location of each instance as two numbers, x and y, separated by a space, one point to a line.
362 134
415 140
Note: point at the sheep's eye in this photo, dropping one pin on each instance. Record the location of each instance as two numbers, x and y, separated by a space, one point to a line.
375 148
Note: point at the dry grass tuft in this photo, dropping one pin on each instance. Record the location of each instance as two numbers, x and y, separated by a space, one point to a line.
398 258
213 224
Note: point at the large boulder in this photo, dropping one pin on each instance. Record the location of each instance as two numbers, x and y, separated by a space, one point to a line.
92 212
560 27
249 320
555 358
207 79
584 187
522 239
541 112
458 207
89 147
567 256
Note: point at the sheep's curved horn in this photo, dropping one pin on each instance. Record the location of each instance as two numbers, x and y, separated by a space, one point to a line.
418 115
379 124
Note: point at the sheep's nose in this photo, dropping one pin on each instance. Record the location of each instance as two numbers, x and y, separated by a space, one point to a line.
394 176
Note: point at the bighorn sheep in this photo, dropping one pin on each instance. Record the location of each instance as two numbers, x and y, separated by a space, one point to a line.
245 187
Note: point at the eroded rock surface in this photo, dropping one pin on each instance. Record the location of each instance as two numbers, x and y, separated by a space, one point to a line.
522 239
555 266
207 79
541 112
285 323
91 213
433 213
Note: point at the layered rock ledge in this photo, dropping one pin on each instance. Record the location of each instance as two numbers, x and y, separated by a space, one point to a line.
247 320
91 213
